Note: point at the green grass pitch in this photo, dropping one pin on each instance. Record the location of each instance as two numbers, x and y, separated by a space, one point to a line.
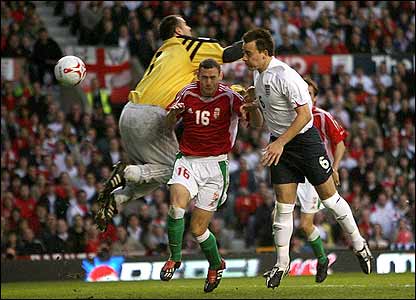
341 286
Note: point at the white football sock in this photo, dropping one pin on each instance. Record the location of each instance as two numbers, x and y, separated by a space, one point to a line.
203 237
282 231
343 214
134 191
148 173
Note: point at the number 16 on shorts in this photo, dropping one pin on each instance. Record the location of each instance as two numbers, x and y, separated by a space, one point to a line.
182 175
183 172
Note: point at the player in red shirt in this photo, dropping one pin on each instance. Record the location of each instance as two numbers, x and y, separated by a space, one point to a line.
210 112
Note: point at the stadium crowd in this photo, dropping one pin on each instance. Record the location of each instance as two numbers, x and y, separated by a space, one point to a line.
53 163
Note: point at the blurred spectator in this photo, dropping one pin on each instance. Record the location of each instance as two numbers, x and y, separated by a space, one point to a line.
13 48
77 234
245 205
157 240
360 80
93 241
336 47
263 222
46 52
89 187
32 24
113 154
384 213
403 237
134 228
223 235
123 37
287 46
90 16
356 46
25 203
365 226
30 244
98 98
39 221
125 244
77 206
109 36
372 187
119 13
325 230
377 240
243 178
54 204
363 122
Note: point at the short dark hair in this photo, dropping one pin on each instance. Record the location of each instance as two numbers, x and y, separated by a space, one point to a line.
263 38
168 26
313 84
209 63
42 29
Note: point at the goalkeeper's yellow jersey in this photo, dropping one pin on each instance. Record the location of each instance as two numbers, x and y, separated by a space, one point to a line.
173 66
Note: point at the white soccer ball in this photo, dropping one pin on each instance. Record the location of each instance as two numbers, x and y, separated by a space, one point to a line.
70 70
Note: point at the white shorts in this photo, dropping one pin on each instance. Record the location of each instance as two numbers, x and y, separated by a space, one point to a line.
308 198
207 178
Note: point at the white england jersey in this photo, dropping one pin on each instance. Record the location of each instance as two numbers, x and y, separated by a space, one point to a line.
280 90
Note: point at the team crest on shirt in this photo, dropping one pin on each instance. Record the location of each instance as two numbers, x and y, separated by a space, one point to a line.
190 111
267 88
217 111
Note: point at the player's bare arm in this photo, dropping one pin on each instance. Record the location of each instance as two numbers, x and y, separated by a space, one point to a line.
339 153
274 150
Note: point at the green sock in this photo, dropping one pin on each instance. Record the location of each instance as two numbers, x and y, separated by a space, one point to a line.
210 249
176 228
318 250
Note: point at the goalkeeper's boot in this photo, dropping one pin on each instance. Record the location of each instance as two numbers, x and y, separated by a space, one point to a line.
365 258
321 271
167 271
275 276
106 198
115 180
106 212
214 278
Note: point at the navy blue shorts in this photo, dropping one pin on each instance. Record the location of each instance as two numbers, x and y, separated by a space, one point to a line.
304 156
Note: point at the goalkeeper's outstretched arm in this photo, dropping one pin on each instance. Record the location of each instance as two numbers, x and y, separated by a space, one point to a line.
233 52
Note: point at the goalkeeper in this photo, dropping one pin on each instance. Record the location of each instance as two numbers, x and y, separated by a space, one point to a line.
150 144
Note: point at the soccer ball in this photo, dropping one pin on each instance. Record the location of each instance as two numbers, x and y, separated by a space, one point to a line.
70 70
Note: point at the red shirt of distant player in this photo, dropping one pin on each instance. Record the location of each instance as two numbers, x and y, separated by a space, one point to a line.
329 129
210 123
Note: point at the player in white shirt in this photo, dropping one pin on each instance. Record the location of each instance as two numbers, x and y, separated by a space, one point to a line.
295 151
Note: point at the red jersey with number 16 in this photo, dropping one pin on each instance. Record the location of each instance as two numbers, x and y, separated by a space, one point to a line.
210 123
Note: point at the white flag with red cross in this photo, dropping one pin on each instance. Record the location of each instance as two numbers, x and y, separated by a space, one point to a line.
111 66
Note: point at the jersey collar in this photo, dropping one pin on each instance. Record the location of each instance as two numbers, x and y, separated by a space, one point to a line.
273 63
